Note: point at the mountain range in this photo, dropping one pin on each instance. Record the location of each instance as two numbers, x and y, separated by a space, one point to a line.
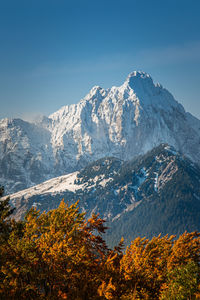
155 193
129 153
121 122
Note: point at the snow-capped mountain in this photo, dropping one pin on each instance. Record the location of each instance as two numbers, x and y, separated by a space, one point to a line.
122 122
158 192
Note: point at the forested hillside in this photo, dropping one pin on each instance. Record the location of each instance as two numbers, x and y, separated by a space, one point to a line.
61 255
155 193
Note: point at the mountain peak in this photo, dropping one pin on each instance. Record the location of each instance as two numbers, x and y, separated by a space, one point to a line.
139 74
95 93
137 79
96 88
122 122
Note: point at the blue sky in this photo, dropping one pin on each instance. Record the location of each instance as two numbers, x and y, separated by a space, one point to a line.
53 51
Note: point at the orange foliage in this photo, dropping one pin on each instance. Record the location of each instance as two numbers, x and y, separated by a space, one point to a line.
61 255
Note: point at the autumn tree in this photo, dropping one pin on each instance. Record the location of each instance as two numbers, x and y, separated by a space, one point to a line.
7 226
182 283
183 267
154 269
60 255
113 283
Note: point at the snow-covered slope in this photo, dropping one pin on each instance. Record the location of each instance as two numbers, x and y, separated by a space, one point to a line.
122 122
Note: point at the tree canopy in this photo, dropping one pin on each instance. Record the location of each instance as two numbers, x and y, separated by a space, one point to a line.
60 255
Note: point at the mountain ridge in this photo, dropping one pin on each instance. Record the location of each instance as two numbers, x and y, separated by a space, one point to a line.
121 121
155 193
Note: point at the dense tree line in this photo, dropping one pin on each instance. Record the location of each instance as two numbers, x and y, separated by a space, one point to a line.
61 255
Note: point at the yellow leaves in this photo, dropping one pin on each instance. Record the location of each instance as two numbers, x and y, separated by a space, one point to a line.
111 259
62 295
62 204
107 290
185 248
197 293
60 255
16 270
149 263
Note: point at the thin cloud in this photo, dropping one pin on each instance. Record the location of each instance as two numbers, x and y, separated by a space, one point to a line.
30 116
145 58
173 54
105 63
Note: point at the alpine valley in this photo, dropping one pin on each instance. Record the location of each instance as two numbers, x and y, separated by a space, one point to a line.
130 153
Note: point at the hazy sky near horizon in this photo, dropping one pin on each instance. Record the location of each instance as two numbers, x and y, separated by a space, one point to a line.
53 51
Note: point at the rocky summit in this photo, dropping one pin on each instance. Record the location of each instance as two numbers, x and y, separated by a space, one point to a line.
120 122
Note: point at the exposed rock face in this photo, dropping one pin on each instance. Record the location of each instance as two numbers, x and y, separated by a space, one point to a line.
122 122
